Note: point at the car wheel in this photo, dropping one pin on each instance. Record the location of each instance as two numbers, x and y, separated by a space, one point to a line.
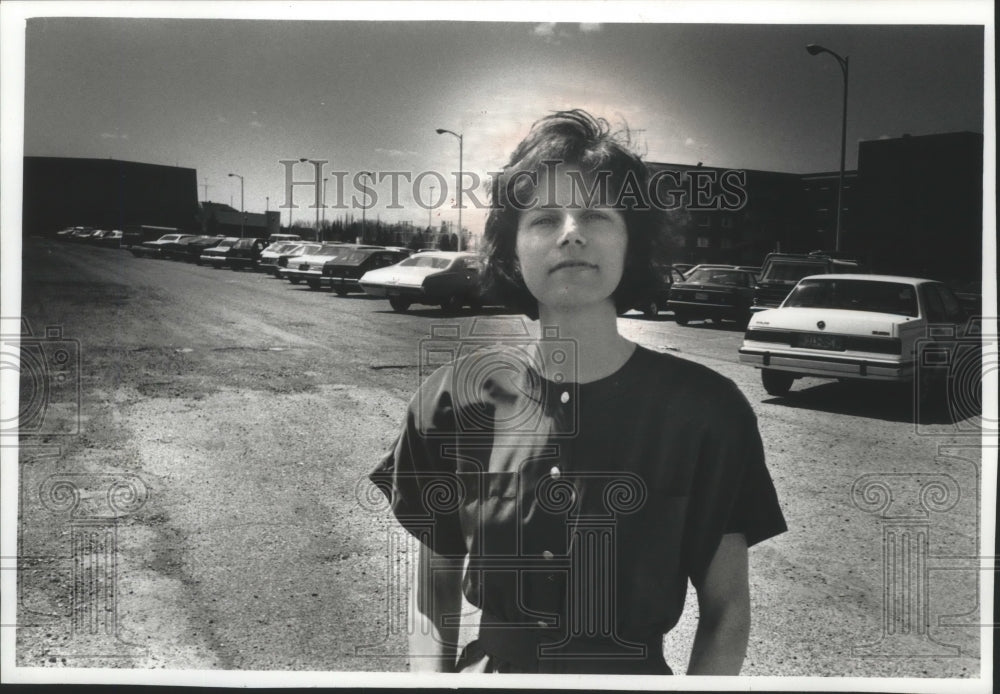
776 382
313 284
651 309
340 291
293 280
399 304
234 267
681 318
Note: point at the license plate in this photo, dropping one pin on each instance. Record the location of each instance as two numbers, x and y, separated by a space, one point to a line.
701 296
820 342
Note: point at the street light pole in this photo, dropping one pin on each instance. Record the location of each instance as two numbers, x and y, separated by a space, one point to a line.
442 131
364 206
430 210
243 215
319 232
842 61
324 200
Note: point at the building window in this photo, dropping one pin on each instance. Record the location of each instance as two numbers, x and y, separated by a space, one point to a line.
727 222
703 221
702 242
727 244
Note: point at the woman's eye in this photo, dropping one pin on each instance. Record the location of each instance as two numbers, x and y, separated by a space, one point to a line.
594 215
543 221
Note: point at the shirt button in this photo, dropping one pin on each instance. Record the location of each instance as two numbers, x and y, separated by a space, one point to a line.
555 473
547 554
564 398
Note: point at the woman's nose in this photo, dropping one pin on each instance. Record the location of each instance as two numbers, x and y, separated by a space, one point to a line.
570 232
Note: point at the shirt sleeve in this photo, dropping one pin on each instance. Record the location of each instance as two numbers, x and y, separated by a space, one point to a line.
420 482
733 492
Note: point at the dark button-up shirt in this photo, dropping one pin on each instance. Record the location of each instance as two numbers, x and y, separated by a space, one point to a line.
584 508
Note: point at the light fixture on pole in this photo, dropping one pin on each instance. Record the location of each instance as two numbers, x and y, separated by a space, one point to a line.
243 215
842 61
442 131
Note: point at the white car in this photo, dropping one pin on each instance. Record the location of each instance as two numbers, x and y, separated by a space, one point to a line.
308 267
847 326
448 279
269 256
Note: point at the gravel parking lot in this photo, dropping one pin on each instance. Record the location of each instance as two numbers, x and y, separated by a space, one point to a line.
252 410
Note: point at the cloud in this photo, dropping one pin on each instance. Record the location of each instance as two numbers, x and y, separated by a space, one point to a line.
221 119
113 136
884 137
690 142
397 153
589 27
256 124
545 29
549 32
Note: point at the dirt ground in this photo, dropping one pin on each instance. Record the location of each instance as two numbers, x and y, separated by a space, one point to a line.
239 416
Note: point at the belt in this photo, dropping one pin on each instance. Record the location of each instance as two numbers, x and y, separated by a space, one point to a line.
547 649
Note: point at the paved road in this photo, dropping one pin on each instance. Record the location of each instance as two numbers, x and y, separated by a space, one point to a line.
252 411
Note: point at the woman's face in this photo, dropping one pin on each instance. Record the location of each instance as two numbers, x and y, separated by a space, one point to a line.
571 255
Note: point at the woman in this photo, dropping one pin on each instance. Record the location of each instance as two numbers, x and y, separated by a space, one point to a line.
585 485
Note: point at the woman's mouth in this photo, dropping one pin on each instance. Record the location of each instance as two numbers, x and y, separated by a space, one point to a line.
572 264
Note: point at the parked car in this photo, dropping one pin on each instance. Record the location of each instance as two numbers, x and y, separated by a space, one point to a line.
110 239
274 238
82 234
136 234
847 326
684 268
67 233
970 294
343 272
191 248
715 292
449 279
216 255
781 271
153 249
294 252
657 299
96 236
308 267
245 253
269 256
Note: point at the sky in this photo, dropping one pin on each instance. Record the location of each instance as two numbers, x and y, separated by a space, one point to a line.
239 96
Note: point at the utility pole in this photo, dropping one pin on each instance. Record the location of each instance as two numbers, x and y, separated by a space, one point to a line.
204 186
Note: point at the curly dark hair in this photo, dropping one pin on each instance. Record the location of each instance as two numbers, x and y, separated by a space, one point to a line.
572 138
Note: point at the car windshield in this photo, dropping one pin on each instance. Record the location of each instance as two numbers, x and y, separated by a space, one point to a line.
280 247
434 261
304 249
792 272
855 295
330 249
353 257
711 275
227 243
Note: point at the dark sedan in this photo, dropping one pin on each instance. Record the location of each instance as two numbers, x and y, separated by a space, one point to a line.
717 293
656 300
342 273
190 249
245 253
